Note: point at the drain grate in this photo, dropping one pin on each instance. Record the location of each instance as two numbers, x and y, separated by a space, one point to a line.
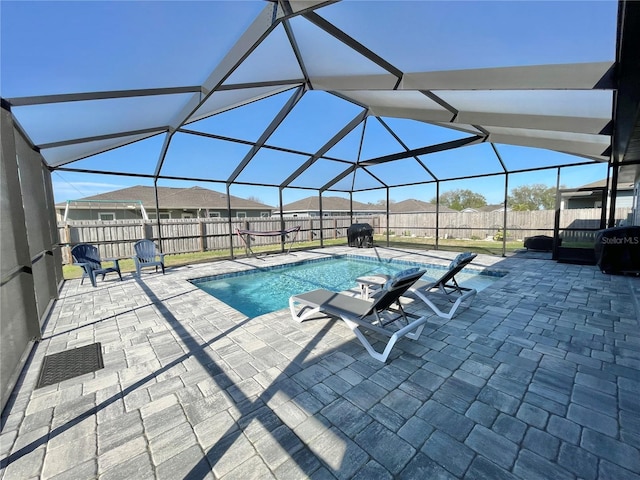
65 365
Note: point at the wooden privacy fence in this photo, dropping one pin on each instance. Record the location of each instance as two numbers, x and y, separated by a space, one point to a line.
116 238
480 225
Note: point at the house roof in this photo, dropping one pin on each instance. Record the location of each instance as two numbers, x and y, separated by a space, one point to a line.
170 197
622 185
334 204
497 207
583 191
412 205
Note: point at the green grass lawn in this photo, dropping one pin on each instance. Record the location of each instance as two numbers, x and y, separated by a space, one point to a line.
177 259
489 247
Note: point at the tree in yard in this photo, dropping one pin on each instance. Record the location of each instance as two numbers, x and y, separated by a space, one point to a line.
460 199
532 197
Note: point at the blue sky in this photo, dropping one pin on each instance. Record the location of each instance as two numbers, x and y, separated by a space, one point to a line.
68 47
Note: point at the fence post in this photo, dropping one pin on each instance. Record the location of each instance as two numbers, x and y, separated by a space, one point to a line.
66 241
246 227
201 223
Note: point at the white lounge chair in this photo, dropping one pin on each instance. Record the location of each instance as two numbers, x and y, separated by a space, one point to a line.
376 316
446 287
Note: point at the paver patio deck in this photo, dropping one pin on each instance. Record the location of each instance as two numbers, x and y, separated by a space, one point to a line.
539 378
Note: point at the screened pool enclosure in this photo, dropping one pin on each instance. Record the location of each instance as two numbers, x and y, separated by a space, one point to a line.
282 100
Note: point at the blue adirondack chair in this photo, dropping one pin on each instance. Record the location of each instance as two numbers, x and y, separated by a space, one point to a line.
147 255
88 257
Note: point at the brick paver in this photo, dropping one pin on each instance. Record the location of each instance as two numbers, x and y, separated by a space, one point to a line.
538 378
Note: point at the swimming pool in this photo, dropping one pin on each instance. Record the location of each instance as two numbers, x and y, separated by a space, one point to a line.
256 292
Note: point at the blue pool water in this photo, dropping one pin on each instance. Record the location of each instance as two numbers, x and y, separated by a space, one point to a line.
261 291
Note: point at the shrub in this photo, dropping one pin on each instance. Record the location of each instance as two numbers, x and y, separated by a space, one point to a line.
500 235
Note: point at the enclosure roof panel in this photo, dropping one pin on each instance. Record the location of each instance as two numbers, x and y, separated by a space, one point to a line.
68 46
320 173
59 156
437 35
528 73
75 122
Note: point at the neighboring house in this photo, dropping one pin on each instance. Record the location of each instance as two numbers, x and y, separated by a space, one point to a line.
140 202
593 199
331 207
498 207
416 206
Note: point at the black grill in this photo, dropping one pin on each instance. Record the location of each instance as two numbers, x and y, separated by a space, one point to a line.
360 235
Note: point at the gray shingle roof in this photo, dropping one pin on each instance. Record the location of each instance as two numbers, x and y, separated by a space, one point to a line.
497 207
603 183
329 204
171 197
412 205
342 204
